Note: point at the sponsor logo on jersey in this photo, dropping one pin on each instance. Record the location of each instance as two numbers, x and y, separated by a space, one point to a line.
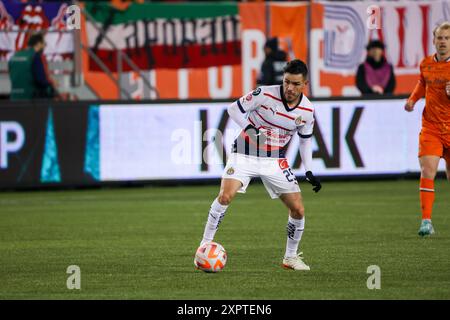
298 121
283 164
256 91
230 171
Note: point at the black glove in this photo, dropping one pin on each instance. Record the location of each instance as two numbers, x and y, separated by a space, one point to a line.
255 135
314 181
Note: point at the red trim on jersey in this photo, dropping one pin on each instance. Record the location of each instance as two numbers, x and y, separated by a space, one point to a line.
279 113
307 109
270 122
285 115
269 95
267 147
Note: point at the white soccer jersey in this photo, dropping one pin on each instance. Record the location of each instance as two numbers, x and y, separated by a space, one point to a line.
267 110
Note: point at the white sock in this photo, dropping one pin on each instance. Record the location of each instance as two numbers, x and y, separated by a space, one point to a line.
216 214
294 235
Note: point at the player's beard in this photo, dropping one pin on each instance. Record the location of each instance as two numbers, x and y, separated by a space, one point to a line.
291 97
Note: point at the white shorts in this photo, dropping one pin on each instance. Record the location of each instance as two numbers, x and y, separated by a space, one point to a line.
275 173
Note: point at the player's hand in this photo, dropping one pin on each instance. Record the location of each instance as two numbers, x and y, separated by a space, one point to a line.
255 135
447 89
252 132
409 106
314 181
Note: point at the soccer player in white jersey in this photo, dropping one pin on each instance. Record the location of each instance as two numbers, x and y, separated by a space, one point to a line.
269 116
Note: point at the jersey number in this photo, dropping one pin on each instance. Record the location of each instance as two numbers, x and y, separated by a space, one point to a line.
289 175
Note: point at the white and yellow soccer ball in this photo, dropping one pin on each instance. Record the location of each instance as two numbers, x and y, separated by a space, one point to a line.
210 257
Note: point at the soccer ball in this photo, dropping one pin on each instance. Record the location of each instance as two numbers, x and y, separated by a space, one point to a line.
210 257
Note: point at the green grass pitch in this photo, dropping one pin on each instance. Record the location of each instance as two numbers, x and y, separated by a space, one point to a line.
138 243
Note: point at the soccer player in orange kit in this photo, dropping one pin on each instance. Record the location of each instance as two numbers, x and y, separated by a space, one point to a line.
434 139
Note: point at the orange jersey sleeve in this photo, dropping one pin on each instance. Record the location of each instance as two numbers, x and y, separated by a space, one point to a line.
419 90
433 77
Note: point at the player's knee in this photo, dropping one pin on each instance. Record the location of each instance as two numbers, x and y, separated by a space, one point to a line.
427 172
297 212
225 198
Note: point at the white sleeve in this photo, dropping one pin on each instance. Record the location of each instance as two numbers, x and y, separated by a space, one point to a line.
251 101
306 153
239 109
305 134
237 115
307 129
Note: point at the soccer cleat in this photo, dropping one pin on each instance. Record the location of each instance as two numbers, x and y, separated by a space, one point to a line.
426 228
295 263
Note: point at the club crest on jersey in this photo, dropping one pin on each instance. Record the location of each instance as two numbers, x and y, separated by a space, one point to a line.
298 121
256 91
230 171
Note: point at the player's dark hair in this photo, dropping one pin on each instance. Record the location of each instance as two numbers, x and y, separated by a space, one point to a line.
296 67
35 39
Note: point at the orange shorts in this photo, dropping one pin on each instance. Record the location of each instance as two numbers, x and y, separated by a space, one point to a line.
433 142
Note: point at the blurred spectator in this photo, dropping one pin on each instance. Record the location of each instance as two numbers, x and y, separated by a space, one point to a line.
272 67
28 71
375 75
